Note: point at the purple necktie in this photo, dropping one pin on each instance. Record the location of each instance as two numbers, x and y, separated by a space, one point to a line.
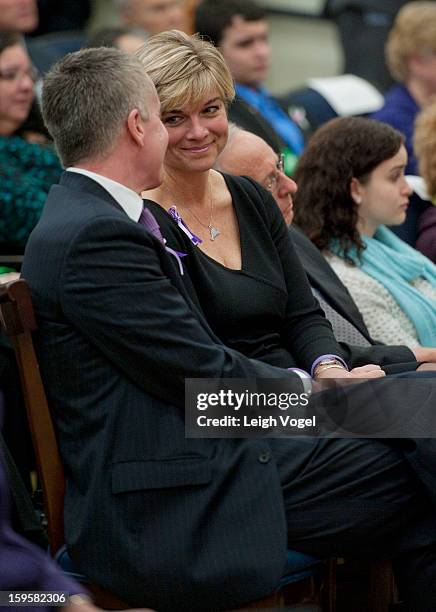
148 220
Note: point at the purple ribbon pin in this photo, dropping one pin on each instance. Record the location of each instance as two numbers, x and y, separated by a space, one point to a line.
178 219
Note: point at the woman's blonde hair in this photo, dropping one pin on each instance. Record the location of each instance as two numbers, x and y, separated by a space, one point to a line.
185 69
424 144
413 33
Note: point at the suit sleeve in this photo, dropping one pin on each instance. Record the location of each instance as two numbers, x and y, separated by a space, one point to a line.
115 292
392 359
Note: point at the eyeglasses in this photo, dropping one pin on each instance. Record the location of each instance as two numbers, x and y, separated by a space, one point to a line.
271 182
12 75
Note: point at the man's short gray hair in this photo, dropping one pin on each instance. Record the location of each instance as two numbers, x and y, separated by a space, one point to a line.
86 99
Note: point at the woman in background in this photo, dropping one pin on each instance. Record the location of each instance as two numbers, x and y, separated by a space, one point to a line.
351 185
425 151
28 165
411 58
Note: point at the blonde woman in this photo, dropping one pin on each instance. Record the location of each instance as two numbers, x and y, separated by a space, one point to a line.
411 58
248 279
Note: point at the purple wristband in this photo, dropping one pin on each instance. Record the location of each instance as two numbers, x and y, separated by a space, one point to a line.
322 357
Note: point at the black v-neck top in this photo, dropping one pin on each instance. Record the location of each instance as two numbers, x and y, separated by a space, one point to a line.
266 310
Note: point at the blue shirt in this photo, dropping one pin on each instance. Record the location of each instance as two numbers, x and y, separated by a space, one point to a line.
400 111
271 110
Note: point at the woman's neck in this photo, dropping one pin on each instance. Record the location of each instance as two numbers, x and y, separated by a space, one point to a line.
190 190
366 229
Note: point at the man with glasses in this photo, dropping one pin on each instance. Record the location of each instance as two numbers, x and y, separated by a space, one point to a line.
245 154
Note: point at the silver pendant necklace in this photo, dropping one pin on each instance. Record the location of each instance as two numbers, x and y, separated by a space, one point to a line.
214 232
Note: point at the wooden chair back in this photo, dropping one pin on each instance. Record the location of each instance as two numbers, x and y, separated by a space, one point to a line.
18 319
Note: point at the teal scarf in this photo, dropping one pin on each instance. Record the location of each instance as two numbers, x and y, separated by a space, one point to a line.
395 264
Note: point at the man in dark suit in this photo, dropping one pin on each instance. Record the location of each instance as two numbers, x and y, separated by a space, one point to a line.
160 519
247 154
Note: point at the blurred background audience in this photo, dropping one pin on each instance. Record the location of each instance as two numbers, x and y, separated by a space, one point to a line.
425 151
64 16
125 39
28 164
152 16
18 16
363 27
411 57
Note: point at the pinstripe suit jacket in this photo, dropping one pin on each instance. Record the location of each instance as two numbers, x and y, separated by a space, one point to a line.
157 518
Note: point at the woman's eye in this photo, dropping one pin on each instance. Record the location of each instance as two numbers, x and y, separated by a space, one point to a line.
173 120
211 109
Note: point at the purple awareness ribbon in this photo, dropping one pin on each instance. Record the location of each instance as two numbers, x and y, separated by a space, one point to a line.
178 219
148 220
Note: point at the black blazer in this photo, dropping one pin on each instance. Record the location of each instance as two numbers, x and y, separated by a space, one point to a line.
157 518
323 278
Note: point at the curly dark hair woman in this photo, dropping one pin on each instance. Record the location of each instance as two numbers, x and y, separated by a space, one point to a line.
342 149
351 184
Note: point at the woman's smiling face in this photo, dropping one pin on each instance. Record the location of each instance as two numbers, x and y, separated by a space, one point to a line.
197 134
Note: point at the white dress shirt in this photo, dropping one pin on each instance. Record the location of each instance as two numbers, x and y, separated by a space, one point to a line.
128 199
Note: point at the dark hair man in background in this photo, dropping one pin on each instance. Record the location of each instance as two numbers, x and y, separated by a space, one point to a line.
240 29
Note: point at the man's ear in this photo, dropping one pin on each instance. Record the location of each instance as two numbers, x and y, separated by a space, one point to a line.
356 190
135 125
